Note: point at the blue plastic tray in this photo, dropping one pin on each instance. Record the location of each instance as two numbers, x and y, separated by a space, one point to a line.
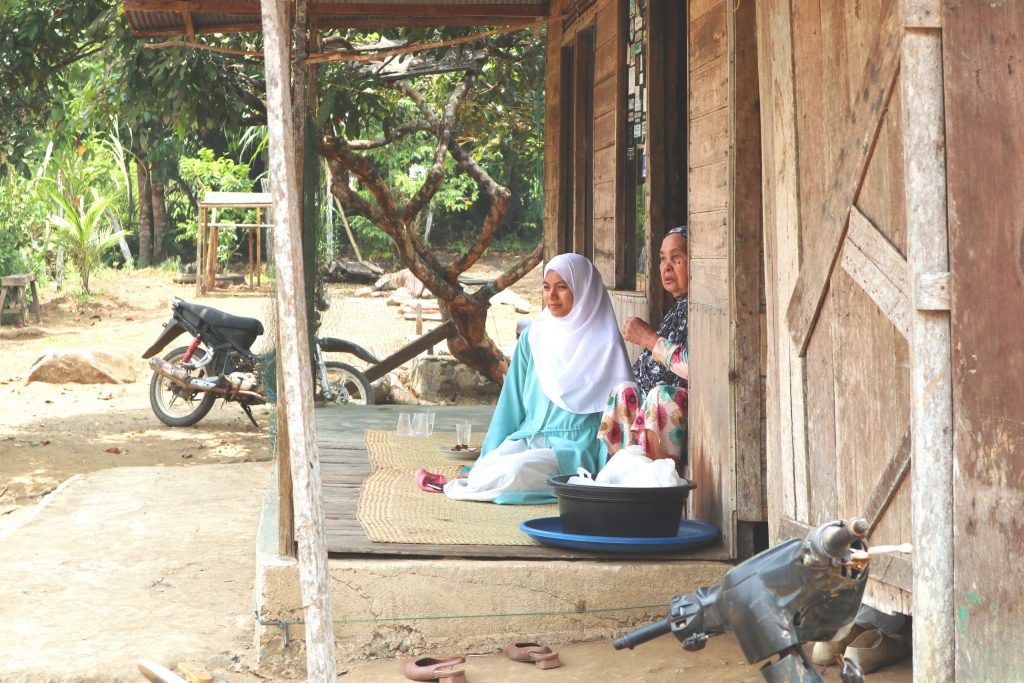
692 534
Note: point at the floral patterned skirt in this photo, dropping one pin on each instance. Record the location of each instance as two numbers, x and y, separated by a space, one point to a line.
625 421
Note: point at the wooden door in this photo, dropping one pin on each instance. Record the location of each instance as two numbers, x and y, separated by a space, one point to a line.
838 280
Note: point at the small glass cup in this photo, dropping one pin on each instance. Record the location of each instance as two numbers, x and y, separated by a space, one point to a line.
463 433
420 424
430 422
404 424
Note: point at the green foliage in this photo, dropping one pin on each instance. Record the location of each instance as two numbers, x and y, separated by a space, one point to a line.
501 124
84 232
200 174
24 231
39 39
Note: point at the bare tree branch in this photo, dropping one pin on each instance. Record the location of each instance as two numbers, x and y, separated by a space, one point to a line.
341 189
435 174
519 270
416 96
499 195
394 134
414 253
471 343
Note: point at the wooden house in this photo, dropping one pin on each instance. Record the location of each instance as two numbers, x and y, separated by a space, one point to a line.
851 176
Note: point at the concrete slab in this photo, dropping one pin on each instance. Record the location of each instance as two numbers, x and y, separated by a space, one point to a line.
387 608
130 563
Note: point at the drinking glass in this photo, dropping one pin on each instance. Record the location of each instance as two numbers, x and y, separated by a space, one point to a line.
430 422
420 424
404 424
463 433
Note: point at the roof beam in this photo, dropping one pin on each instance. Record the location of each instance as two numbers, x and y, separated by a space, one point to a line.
482 10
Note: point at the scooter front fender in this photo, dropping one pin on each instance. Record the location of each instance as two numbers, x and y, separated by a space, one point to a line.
172 330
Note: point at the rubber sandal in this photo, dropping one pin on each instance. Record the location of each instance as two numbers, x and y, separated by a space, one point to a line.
429 669
430 482
542 656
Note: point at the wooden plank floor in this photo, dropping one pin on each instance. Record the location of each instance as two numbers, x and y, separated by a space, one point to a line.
345 465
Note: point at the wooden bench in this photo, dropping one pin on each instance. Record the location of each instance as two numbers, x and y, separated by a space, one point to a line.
14 297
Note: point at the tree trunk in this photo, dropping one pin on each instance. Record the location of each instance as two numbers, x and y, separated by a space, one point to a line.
159 220
472 345
145 214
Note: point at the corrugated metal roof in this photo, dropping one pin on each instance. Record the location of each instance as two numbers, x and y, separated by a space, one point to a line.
170 17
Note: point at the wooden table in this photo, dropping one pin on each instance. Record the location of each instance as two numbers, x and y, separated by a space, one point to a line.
14 297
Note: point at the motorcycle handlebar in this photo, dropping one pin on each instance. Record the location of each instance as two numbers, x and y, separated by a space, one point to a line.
837 539
643 634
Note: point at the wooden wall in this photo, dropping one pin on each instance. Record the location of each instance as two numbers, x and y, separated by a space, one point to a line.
726 452
710 461
721 201
983 50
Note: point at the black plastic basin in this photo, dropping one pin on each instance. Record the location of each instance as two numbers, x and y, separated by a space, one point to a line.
619 511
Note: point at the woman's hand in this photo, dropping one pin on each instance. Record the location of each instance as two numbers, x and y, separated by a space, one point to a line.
637 331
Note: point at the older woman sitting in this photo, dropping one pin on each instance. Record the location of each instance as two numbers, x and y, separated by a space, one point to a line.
652 411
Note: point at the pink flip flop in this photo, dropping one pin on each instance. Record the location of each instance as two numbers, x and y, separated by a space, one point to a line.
429 669
430 482
542 656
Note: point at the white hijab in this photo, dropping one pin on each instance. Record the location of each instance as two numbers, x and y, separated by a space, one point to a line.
580 357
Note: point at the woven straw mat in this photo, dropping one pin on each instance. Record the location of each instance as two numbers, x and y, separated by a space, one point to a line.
392 509
388 449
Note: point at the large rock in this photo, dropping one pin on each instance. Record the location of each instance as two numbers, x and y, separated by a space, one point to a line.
442 378
81 366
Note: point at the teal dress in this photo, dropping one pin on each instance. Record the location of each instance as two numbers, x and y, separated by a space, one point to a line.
524 411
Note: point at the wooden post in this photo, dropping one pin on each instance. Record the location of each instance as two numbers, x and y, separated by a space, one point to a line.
211 252
252 275
293 353
259 242
786 442
200 229
744 263
930 345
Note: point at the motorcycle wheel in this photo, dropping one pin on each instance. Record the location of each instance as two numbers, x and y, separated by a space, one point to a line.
342 379
178 409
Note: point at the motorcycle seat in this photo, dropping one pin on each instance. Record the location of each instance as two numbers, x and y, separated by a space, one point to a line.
212 316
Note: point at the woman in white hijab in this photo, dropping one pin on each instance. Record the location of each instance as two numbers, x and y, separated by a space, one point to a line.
550 406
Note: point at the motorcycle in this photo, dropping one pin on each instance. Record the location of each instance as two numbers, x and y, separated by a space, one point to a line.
220 363
804 589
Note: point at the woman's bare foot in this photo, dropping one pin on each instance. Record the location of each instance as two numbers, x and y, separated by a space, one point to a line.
654 449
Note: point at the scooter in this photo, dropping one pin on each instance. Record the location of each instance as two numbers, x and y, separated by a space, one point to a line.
798 591
219 363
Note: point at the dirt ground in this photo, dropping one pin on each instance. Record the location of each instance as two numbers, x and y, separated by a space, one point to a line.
51 432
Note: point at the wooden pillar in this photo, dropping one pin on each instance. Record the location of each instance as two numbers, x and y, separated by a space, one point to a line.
744 263
293 352
658 75
212 244
930 349
259 242
252 275
200 231
786 442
